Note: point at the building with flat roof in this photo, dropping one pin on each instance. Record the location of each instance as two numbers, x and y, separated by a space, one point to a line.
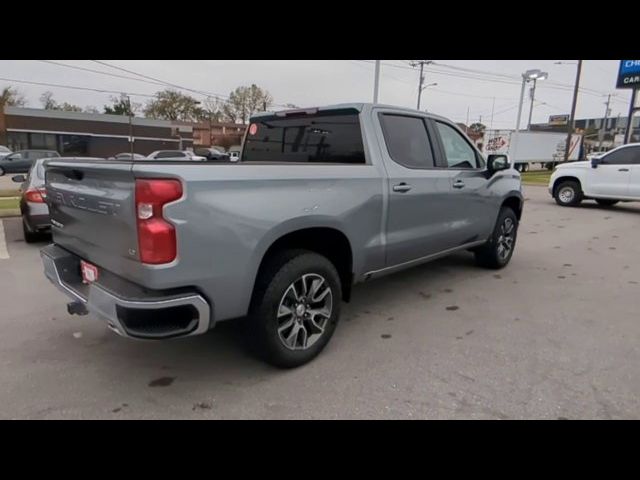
91 134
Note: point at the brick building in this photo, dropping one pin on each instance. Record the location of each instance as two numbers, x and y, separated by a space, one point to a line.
90 134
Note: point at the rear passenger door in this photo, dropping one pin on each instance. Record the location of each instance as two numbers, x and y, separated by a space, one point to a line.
419 191
634 178
471 209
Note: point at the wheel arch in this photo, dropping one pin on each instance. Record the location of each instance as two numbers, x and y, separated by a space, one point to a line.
565 178
328 241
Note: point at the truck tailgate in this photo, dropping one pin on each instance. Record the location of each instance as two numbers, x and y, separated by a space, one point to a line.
92 208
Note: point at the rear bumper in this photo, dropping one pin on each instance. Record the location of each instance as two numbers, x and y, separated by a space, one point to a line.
128 309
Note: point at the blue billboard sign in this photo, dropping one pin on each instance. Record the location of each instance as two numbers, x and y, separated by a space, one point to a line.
629 74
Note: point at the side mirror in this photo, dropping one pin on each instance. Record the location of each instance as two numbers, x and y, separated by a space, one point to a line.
595 161
497 162
19 178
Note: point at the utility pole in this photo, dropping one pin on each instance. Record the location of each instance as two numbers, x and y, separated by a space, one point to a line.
632 110
3 126
422 63
376 82
572 118
130 127
603 128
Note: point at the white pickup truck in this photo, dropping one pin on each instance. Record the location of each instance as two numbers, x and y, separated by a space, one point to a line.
607 179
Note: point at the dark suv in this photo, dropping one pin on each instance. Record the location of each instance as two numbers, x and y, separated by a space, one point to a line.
21 161
213 154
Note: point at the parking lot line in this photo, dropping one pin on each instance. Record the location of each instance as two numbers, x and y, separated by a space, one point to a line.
4 253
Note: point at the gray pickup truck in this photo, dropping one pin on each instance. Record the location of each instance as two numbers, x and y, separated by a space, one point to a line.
321 199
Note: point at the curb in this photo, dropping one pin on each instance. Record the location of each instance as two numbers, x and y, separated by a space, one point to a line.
10 212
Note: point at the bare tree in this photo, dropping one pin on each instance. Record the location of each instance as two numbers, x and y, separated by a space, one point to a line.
11 97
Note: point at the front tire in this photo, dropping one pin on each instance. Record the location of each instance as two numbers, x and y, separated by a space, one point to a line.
497 252
568 194
606 203
295 308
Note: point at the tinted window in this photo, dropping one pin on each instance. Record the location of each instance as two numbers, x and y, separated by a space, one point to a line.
457 150
334 137
170 155
74 145
407 140
624 156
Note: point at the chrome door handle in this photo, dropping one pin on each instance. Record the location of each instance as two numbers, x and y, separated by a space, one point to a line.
623 169
458 184
401 187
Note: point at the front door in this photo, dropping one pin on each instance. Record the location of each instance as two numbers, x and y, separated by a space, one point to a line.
419 191
634 172
471 210
611 177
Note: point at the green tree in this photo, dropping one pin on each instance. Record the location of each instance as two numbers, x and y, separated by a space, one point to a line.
245 101
173 105
11 97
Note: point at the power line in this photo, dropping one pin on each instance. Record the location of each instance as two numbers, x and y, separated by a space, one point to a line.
98 71
75 87
201 92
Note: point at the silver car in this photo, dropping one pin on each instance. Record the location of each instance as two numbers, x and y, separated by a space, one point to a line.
36 224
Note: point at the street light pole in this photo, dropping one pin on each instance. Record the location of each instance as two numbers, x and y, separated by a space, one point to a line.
533 97
526 77
514 142
572 118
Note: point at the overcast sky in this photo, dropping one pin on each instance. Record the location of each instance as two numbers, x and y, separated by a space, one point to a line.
461 85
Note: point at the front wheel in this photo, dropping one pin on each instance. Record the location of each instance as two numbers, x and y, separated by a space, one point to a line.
295 309
497 252
568 194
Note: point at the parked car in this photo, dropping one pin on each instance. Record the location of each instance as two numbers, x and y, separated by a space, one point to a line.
127 156
234 155
608 178
213 154
328 197
36 224
21 161
175 155
4 151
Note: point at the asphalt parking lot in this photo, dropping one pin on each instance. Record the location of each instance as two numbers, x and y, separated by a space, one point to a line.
554 335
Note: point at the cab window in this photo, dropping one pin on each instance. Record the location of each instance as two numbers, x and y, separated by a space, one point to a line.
459 153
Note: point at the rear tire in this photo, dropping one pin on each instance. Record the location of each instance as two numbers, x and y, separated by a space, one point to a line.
1 171
30 237
606 203
497 252
289 324
568 194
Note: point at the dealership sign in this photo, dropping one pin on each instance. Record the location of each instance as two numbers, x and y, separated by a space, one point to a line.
559 120
629 74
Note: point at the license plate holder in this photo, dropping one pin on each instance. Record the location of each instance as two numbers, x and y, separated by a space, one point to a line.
89 272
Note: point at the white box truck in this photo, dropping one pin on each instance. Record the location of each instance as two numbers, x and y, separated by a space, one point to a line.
546 148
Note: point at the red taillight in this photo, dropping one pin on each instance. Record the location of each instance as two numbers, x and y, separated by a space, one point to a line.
156 236
35 195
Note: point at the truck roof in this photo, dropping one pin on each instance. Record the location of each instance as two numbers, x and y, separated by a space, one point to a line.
343 106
